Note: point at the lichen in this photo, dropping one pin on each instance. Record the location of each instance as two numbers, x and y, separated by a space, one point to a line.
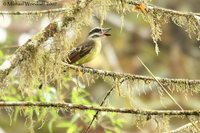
156 30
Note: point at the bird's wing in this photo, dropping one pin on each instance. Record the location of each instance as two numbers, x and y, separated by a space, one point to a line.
80 51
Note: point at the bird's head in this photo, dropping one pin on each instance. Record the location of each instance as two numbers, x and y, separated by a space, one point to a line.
99 32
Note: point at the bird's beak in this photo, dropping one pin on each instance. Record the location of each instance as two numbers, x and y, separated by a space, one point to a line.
105 32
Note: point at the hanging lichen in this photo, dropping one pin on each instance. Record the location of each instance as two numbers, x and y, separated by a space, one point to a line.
100 8
155 25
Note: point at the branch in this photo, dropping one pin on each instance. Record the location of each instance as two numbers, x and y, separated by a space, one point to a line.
104 109
26 50
170 11
103 73
156 9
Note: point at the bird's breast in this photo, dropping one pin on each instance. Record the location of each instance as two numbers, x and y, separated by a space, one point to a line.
97 47
92 54
96 50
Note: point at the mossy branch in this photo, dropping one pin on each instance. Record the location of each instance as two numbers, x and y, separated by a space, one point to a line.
147 79
172 12
31 45
158 10
71 106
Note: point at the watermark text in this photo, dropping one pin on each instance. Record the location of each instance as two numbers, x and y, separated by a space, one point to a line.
29 3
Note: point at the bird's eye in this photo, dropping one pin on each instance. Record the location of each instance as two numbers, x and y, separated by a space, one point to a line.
97 30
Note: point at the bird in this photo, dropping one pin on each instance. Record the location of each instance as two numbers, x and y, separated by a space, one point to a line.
89 48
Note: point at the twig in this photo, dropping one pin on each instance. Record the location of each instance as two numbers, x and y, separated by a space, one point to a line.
71 106
102 103
96 114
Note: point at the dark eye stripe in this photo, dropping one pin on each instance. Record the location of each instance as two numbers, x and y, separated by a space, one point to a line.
96 30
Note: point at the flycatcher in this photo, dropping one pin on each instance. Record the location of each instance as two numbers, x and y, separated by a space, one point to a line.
87 50
90 48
